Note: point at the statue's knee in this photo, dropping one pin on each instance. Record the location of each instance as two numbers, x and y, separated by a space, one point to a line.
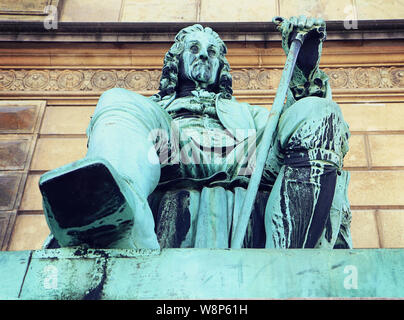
314 123
309 112
120 98
313 115
115 95
315 108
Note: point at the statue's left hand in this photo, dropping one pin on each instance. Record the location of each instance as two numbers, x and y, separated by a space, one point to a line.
315 30
288 27
306 25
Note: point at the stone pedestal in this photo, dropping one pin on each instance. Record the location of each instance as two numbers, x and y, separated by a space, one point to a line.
76 273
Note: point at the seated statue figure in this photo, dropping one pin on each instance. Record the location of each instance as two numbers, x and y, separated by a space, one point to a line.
193 135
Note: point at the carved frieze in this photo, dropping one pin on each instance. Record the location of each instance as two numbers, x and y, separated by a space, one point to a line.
397 77
98 80
369 77
254 79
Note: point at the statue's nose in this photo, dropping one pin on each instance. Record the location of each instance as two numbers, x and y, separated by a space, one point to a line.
203 55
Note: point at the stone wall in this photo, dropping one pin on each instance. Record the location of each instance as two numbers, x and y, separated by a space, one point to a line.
200 10
241 10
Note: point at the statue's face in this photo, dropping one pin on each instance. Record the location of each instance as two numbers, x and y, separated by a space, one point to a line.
201 58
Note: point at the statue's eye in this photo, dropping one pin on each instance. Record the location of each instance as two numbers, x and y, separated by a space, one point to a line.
211 52
194 49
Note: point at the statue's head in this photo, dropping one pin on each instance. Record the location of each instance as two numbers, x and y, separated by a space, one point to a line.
198 55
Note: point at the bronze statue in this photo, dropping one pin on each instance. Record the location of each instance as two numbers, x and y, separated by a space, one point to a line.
171 170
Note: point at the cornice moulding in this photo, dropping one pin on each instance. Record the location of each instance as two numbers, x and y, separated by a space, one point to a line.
34 31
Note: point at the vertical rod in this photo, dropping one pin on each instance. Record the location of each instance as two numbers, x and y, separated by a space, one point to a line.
263 148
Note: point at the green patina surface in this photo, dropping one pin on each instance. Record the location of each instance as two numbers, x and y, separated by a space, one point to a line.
194 141
77 273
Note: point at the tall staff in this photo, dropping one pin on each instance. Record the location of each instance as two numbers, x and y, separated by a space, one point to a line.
263 148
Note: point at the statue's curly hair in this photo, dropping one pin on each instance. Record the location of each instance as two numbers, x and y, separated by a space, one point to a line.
169 76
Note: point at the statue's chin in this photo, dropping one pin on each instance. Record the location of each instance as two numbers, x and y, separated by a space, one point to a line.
201 74
202 77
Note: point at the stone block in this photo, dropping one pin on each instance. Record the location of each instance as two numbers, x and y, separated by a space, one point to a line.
376 188
26 9
364 229
356 156
20 116
159 11
29 233
391 224
20 59
374 116
51 153
91 59
7 220
66 120
91 11
380 9
241 11
34 6
328 10
387 150
32 198
10 188
14 152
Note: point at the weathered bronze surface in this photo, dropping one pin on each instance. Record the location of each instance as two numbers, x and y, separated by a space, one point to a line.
172 170
172 274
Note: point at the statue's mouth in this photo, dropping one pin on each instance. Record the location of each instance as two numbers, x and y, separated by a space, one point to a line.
202 64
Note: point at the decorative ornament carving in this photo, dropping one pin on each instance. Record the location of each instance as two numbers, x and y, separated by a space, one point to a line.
240 79
138 80
36 79
338 78
70 79
397 77
104 79
253 79
368 77
6 78
88 80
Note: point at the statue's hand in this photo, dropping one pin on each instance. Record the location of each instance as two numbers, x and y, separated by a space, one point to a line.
315 31
312 27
